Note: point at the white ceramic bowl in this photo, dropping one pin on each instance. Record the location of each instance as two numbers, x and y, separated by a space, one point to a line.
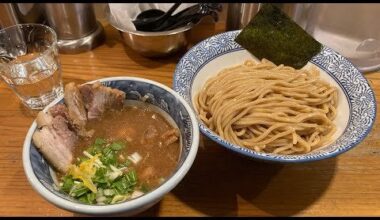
356 106
38 172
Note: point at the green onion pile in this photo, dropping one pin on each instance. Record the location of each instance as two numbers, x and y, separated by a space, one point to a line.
99 177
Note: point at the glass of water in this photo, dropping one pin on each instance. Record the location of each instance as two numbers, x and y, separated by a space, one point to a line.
29 63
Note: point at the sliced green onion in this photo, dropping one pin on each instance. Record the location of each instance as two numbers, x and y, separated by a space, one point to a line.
78 190
87 154
136 194
101 199
117 146
119 198
135 157
145 188
67 183
100 141
114 180
109 192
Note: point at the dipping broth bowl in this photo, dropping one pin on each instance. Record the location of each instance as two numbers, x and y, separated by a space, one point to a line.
40 174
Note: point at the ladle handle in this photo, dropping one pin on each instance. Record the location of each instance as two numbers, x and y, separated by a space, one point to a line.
170 11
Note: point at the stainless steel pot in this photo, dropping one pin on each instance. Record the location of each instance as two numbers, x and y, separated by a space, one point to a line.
239 14
76 26
16 13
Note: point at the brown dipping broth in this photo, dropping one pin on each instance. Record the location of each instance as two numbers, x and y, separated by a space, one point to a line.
145 131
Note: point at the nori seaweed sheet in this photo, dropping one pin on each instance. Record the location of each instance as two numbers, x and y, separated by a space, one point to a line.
273 35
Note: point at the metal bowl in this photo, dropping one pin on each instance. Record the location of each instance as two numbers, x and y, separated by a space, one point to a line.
155 44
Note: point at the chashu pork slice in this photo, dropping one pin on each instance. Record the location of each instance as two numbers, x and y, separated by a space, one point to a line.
98 98
54 137
76 109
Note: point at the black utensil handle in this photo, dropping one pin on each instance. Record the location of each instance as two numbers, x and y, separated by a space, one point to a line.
173 8
149 24
186 20
194 19
164 18
192 14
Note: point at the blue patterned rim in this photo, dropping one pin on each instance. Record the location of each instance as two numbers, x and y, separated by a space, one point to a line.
360 96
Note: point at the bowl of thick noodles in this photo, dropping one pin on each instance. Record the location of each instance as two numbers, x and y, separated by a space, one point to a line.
275 112
125 160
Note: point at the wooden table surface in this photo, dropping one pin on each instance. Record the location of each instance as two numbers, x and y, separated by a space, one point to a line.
220 183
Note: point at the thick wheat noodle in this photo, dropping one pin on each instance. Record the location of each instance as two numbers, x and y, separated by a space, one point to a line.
269 108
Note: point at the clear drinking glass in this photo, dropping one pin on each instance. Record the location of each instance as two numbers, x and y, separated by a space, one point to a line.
29 63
